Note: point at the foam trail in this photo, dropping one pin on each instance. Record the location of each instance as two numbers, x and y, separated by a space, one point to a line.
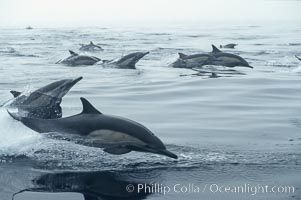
16 139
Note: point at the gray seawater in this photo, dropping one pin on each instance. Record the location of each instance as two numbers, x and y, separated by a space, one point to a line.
241 128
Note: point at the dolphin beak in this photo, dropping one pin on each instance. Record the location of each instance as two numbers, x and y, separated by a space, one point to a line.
250 66
143 54
167 153
76 80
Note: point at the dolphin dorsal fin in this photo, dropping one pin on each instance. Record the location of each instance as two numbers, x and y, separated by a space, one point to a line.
182 55
215 49
91 43
88 108
73 53
15 93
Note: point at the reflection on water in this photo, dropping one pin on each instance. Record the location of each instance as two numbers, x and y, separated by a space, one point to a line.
94 185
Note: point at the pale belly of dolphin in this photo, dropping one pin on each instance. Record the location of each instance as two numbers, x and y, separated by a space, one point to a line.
109 137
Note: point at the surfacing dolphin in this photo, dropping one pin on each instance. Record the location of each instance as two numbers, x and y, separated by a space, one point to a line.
75 60
191 61
228 46
227 59
45 102
90 47
116 135
126 62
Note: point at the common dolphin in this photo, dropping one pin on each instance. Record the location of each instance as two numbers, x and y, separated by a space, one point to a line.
116 135
227 59
229 46
126 62
44 102
191 61
298 57
90 47
75 60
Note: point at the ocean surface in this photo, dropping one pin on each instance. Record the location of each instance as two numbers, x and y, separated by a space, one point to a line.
241 129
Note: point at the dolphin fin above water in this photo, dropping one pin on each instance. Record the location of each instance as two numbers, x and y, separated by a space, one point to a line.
215 49
73 53
88 108
298 57
182 55
15 93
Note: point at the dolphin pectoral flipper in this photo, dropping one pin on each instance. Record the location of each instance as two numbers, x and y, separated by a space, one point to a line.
117 150
15 93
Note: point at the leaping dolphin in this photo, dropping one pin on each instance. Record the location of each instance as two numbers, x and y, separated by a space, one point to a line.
116 135
44 102
227 59
90 47
126 62
75 60
229 46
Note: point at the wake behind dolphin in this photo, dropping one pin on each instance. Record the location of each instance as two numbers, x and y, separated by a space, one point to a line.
116 135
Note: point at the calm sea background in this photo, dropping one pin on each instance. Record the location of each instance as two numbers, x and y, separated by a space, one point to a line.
241 128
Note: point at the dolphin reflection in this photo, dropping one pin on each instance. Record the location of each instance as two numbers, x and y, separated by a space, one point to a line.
94 185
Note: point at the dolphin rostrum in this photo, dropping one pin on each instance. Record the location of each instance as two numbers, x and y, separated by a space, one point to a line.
126 62
116 135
